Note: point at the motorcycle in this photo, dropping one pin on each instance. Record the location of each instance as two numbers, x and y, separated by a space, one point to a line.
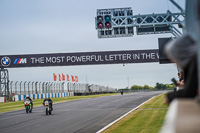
48 110
28 106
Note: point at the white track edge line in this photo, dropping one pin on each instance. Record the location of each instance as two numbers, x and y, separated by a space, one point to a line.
123 116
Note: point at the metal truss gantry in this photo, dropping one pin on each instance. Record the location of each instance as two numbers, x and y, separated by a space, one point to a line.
123 22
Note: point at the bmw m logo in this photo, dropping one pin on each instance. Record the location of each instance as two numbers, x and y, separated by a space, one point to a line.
5 61
20 61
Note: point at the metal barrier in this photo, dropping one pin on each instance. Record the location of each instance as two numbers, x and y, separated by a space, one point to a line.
29 87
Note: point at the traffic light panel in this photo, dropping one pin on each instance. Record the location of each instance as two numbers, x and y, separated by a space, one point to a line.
108 19
103 22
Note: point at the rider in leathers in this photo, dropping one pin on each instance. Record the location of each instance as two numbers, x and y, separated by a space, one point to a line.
28 98
50 102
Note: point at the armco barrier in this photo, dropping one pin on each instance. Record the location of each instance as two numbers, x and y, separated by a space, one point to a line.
44 95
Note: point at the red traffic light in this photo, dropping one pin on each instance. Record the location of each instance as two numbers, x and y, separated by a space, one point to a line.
100 25
107 25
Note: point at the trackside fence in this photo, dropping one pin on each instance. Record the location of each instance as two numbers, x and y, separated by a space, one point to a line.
39 90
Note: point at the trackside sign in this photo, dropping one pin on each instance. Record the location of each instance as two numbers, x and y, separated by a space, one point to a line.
81 58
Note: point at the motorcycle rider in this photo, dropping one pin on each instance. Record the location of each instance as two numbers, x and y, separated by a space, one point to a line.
121 92
50 102
28 98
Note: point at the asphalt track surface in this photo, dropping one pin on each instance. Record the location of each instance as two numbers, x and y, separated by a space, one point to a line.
79 116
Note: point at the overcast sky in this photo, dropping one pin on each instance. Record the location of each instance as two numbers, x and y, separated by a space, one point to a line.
63 26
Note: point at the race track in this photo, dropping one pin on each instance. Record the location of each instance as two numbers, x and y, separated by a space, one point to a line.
80 116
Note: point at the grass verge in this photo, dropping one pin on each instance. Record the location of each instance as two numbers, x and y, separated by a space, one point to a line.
11 106
146 119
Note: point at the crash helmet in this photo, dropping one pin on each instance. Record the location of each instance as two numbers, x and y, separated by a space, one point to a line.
27 95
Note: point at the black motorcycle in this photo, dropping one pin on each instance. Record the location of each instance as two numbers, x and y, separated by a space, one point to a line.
48 109
122 92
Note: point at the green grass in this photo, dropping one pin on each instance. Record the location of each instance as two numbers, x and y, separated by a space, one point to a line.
11 106
146 119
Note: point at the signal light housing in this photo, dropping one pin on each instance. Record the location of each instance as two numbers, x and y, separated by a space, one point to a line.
107 21
103 22
107 18
107 25
99 18
100 25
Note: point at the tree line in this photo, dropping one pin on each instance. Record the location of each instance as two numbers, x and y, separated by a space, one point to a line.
158 86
